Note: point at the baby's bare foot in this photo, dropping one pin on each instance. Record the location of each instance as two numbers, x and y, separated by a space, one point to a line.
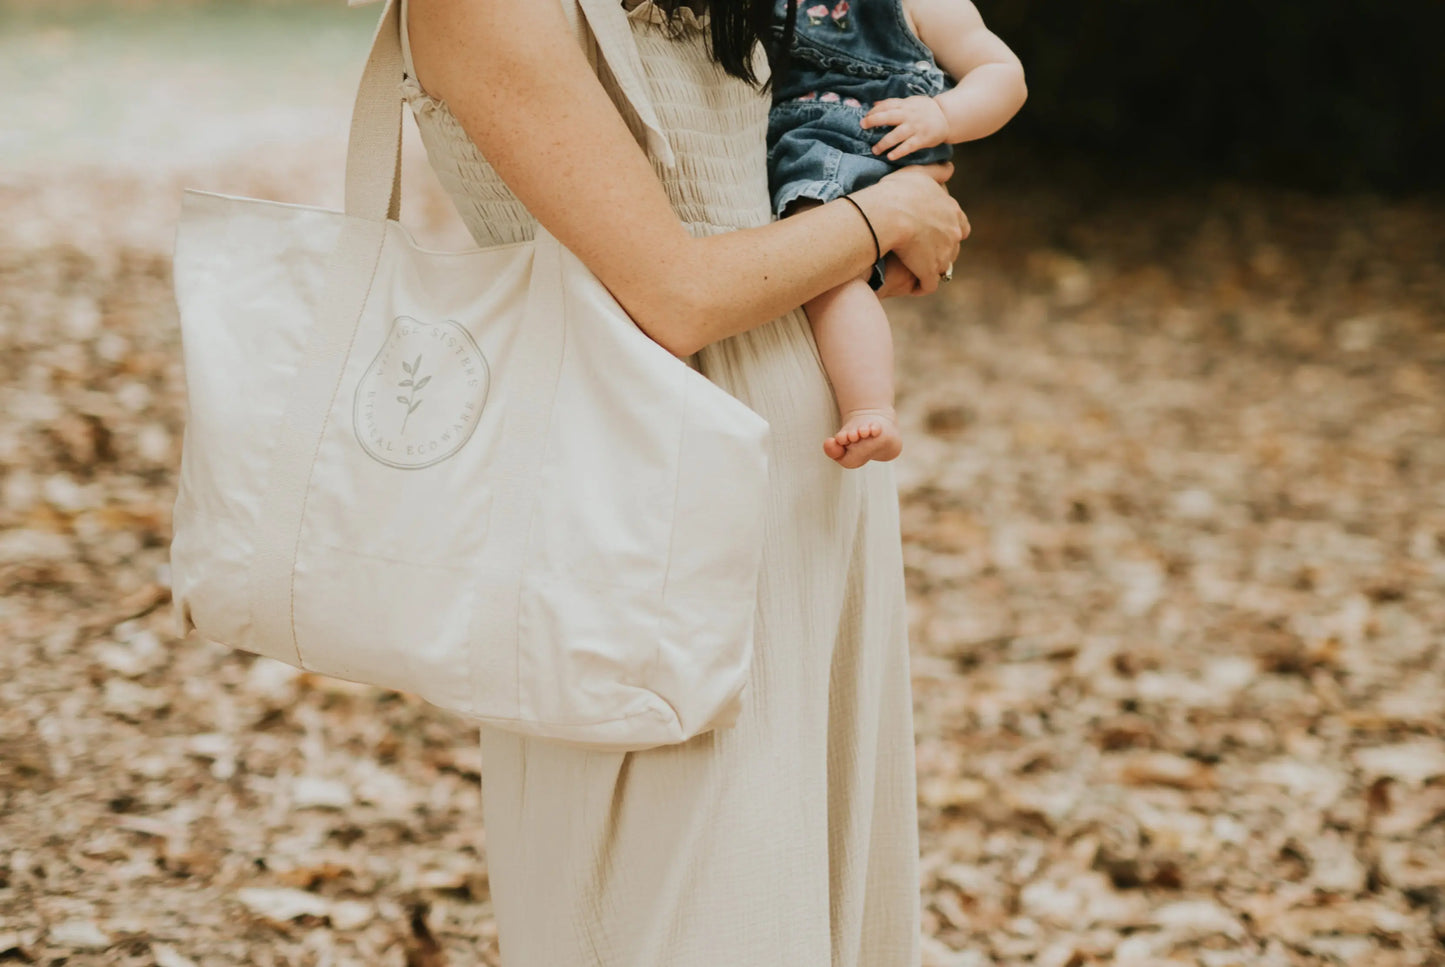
865 435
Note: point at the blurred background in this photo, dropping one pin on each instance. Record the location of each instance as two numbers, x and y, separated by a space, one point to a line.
1173 497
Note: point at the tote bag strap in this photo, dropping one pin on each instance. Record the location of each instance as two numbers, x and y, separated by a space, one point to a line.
373 195
373 150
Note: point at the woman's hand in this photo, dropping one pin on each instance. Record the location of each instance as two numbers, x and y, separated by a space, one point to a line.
918 220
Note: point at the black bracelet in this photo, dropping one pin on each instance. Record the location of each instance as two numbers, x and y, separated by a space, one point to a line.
877 249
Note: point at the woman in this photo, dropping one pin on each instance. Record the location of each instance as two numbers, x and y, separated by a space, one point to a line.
790 838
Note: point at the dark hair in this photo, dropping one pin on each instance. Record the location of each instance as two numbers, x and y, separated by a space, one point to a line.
736 26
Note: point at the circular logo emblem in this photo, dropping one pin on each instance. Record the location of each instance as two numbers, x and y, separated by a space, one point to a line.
422 395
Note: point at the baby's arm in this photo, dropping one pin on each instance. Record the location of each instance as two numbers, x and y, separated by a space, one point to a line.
990 88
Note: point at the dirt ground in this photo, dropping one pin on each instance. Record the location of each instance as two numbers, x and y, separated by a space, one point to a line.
1173 495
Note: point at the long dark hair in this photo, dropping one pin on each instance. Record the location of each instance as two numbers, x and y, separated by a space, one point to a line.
739 24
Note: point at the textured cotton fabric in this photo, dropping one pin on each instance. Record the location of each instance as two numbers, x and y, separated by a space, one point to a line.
789 839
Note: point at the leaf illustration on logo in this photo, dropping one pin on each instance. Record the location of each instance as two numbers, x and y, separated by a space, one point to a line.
436 362
411 402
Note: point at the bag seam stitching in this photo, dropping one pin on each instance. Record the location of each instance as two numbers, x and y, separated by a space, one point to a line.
320 437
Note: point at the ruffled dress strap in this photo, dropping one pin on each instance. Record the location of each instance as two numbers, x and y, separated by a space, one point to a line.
609 25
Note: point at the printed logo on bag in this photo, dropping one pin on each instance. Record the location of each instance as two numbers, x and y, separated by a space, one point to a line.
421 397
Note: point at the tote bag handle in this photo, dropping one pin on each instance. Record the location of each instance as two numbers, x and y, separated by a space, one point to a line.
373 151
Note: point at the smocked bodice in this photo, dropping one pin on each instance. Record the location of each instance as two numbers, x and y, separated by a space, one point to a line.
715 124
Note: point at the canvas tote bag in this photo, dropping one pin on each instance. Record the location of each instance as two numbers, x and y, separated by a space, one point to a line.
466 475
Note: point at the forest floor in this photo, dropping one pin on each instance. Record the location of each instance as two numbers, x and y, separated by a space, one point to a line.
1173 503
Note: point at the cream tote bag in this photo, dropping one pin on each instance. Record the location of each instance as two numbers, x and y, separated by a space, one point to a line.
466 475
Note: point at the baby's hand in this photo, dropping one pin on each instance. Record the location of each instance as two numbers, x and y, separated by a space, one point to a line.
919 122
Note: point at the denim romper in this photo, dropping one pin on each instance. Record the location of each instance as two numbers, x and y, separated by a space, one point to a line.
843 59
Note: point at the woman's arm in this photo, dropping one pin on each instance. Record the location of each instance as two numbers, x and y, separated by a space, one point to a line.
516 79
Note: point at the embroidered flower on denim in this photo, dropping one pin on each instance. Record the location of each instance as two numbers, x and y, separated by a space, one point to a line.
819 14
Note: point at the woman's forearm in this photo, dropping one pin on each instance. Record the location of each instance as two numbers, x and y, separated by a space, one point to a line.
728 283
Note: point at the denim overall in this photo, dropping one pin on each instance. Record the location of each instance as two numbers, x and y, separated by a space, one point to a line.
844 58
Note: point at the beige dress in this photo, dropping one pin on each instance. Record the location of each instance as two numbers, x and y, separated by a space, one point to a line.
789 839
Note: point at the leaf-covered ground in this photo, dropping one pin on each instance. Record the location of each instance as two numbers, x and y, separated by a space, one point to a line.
1173 493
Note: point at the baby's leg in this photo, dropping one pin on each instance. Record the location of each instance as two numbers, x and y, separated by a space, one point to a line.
856 346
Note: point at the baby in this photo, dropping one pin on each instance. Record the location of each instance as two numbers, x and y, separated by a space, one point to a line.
864 88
